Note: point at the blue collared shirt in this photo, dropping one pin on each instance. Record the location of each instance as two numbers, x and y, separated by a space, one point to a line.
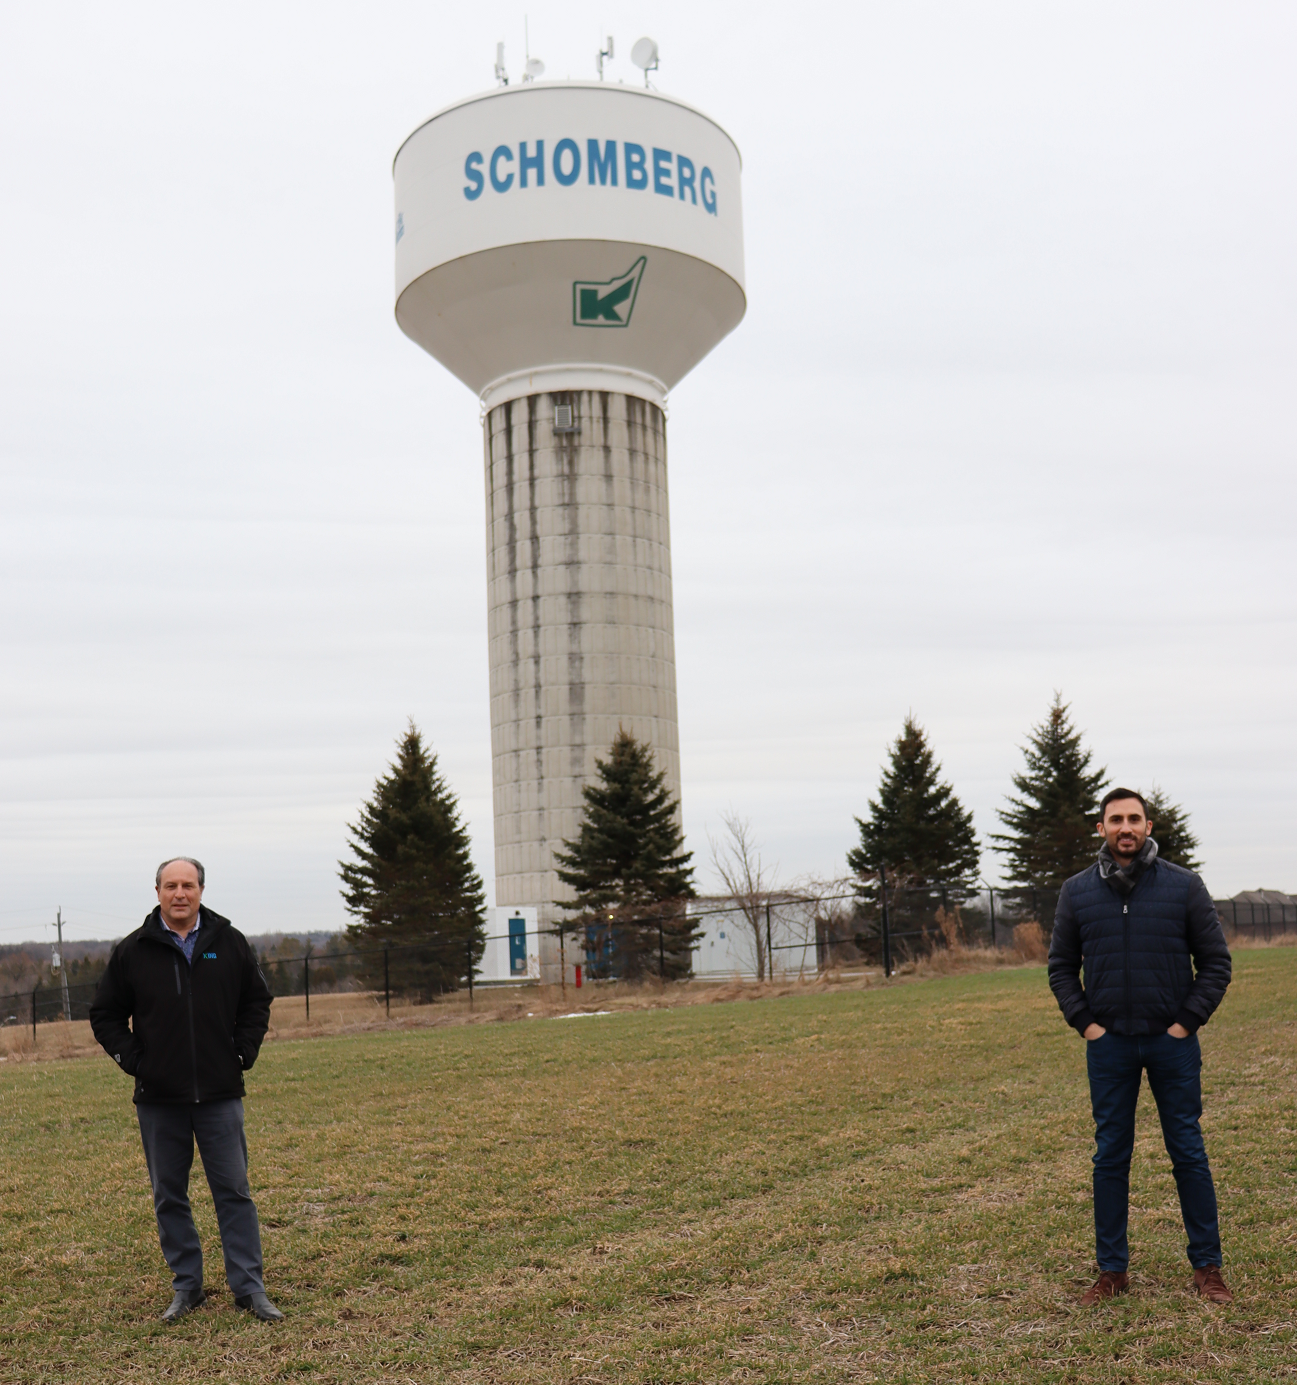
185 944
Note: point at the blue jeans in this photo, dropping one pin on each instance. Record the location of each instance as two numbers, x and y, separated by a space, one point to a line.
1174 1067
169 1134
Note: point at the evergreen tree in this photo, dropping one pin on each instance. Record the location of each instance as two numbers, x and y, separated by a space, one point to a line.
1175 842
412 885
1051 828
629 869
917 829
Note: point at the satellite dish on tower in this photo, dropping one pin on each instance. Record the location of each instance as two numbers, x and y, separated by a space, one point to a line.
645 56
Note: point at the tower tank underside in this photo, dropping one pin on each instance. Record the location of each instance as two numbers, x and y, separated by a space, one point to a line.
580 619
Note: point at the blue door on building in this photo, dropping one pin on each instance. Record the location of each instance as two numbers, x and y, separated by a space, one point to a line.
517 947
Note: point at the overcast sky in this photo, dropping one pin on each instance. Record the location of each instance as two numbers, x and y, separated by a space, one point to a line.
1012 410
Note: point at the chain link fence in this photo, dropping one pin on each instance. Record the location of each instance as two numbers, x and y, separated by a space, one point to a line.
870 925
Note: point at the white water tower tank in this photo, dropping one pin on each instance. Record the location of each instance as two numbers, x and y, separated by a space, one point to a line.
570 250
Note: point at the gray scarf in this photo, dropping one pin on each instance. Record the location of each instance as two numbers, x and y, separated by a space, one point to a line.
1123 878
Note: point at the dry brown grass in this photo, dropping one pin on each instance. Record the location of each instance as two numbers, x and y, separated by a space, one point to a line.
1030 941
959 960
358 1012
57 1040
1279 940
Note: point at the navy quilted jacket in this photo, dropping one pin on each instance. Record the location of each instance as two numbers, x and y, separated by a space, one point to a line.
1156 958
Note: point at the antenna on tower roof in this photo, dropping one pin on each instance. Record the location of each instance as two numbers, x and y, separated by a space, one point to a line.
603 53
501 74
533 67
645 56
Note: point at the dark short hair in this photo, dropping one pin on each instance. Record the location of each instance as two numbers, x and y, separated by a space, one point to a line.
1110 797
189 861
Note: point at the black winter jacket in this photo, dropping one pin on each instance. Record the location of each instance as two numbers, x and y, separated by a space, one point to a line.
1140 953
195 1028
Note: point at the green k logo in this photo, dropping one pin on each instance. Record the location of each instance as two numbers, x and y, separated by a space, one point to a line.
610 303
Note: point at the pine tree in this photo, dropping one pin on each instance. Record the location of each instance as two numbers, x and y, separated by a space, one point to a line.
1051 828
917 829
413 885
628 868
1175 841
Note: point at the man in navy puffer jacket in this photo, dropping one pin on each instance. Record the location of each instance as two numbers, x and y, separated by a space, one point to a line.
1156 967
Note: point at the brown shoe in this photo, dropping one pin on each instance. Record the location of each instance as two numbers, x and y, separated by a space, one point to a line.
1210 1285
1108 1285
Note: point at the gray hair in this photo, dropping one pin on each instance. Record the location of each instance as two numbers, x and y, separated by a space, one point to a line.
189 861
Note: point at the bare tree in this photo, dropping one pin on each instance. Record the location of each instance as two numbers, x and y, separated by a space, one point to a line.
821 918
736 858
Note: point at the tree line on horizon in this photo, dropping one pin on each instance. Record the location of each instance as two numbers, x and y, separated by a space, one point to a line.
411 879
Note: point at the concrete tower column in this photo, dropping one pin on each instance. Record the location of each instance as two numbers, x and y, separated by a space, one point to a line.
580 620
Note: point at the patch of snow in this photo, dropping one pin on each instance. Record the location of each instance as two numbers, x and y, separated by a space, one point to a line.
583 1014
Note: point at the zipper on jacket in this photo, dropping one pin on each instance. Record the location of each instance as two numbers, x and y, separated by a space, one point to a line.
193 1042
1125 935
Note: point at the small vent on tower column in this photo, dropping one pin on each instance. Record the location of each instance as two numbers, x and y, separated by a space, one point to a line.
563 422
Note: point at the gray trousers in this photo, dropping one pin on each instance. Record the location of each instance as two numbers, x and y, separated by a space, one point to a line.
169 1133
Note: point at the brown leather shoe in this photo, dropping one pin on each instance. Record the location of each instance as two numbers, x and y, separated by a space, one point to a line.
1108 1285
1210 1285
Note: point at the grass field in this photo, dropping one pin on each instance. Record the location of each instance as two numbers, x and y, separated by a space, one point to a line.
889 1184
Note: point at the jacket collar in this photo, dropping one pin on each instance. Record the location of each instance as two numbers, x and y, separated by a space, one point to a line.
211 922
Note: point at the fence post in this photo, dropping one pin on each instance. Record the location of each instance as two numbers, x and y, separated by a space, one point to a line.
34 990
991 896
468 948
887 934
562 963
770 951
387 985
662 955
306 982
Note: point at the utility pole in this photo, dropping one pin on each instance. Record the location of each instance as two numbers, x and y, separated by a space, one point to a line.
57 965
887 932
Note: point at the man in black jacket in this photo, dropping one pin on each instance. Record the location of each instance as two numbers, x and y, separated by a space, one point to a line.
1156 967
198 1008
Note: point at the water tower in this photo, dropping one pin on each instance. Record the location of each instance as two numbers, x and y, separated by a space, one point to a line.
570 250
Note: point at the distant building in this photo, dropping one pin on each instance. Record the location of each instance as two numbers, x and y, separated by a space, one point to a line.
1259 913
512 952
728 946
